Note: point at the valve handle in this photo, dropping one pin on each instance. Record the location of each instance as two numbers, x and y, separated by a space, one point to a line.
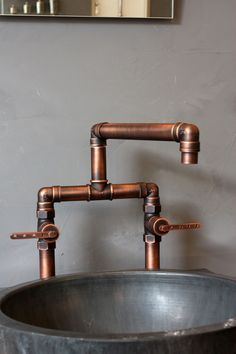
160 226
189 226
49 232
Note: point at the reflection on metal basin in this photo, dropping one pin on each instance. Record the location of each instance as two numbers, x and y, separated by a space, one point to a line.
121 312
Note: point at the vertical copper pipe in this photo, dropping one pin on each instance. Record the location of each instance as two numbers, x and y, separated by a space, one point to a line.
151 207
152 256
98 164
47 263
45 215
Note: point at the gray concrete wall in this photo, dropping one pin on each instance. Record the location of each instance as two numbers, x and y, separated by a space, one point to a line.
57 78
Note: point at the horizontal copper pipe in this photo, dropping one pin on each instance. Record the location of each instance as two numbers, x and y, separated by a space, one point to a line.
131 190
57 194
136 131
73 193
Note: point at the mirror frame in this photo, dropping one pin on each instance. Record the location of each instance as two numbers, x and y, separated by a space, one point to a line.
48 15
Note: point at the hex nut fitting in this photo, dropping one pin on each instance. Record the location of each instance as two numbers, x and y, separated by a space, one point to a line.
42 245
152 209
45 214
149 238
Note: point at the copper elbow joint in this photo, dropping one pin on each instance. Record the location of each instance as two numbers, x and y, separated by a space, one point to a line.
188 136
45 195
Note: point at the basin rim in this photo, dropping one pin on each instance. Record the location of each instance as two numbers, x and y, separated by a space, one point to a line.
7 323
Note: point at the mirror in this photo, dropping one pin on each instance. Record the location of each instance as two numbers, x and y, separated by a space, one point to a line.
149 9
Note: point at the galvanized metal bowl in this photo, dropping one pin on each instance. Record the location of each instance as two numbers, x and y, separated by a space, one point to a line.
121 312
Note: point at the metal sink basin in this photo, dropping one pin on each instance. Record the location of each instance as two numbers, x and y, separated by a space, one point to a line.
121 312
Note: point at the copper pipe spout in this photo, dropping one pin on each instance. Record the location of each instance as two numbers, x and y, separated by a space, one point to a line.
189 143
184 133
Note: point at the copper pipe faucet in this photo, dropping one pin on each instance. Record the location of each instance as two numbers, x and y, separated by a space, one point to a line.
187 135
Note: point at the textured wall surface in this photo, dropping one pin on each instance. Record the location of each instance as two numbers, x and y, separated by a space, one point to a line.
59 77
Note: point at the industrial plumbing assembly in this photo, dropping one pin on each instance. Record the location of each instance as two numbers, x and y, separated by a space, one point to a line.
155 226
